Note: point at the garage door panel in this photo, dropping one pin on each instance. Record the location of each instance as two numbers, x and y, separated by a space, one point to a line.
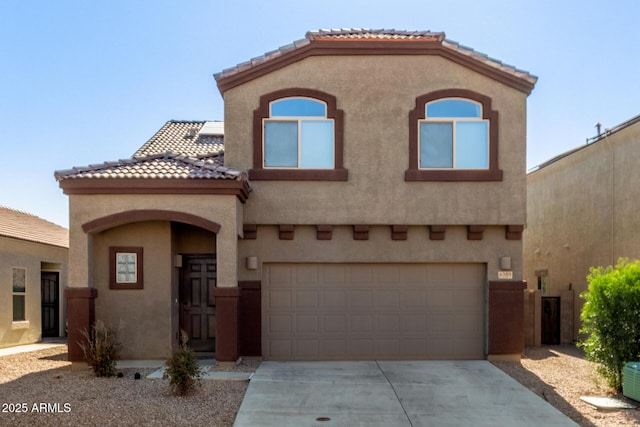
368 311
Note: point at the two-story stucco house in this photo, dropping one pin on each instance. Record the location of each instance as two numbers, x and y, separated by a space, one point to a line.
365 200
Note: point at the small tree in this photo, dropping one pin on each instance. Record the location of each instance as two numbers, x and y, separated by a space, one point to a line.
183 369
611 319
101 349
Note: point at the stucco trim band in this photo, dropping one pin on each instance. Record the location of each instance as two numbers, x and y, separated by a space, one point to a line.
140 215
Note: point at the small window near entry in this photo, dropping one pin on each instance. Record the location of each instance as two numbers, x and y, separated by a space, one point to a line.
19 293
125 267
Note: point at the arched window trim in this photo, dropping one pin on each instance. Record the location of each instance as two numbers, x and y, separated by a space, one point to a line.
259 172
414 173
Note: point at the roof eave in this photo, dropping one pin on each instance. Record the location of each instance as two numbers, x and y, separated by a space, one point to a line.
234 77
238 187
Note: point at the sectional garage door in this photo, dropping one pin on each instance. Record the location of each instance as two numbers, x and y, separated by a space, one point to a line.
373 311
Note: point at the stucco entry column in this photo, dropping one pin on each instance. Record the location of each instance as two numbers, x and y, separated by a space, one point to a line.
81 312
227 293
506 319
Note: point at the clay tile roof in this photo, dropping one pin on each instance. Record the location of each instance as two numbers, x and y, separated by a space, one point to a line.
157 166
25 226
233 76
380 34
179 150
182 137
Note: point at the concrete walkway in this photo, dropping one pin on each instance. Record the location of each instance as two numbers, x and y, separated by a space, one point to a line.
391 393
8 351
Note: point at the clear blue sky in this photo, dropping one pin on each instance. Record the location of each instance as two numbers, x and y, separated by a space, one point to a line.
82 82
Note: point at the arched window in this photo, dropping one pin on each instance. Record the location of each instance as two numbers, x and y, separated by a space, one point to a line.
297 135
453 136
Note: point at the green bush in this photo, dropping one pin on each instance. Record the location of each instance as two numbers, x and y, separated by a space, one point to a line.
101 349
611 319
183 369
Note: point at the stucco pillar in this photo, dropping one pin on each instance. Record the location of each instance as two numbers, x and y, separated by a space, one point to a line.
81 314
227 323
506 319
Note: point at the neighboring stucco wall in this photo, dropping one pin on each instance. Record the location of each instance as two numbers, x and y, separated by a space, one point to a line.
377 93
582 212
34 258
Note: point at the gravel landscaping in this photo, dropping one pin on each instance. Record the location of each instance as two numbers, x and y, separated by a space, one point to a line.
42 385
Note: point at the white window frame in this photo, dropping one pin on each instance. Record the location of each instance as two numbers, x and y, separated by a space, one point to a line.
298 120
453 121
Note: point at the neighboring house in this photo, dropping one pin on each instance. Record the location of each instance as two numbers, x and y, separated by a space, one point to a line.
582 212
369 204
33 273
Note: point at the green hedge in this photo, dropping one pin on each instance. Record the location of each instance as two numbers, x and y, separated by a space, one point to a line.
611 318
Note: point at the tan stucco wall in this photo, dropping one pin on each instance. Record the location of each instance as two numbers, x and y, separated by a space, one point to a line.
377 94
418 248
150 317
582 212
35 258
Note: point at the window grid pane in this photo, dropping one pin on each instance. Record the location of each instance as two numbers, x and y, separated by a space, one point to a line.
126 268
298 107
18 308
19 279
316 144
436 145
281 144
472 145
453 108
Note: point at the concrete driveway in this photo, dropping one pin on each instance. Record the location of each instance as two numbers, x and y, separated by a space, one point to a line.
391 393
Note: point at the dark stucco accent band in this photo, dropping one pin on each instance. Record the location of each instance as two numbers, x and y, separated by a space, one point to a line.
338 173
399 232
475 232
286 231
81 314
514 232
249 231
127 217
324 232
436 232
414 173
360 232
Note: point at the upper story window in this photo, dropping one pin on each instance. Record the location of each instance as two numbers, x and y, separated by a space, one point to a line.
298 135
453 136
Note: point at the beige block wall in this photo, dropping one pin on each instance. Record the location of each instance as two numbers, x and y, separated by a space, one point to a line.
582 212
35 258
377 93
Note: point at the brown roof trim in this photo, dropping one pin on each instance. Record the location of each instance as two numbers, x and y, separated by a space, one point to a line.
238 188
140 215
322 46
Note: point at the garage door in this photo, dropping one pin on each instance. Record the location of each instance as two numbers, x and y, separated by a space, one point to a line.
373 311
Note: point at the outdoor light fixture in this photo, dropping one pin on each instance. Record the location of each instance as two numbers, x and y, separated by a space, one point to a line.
252 263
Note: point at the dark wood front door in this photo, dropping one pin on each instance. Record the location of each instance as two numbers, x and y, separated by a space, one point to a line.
198 304
50 303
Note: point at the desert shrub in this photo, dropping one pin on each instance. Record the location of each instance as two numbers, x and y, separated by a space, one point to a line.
183 369
101 349
611 319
